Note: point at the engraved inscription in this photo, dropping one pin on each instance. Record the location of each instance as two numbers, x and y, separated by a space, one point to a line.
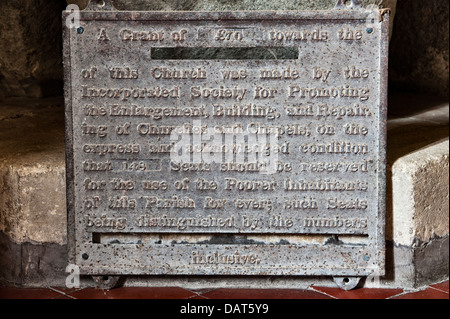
170 202
174 74
123 73
287 36
209 145
144 36
349 34
119 223
230 259
229 35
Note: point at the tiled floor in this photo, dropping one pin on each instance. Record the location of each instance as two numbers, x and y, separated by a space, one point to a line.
436 291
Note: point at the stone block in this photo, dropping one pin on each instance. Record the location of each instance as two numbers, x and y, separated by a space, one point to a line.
417 221
420 188
32 174
34 202
32 191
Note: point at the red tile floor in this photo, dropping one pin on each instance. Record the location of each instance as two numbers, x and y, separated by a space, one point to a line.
436 291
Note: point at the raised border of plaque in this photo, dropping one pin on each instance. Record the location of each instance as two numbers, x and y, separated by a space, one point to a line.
353 38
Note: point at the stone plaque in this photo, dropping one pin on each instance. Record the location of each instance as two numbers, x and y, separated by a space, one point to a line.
226 143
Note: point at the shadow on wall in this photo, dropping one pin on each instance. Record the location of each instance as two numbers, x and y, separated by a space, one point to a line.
31 48
419 54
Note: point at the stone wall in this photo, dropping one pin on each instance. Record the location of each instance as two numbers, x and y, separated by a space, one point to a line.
31 48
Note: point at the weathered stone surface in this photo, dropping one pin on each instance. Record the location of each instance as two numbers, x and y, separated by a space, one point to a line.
32 174
32 264
431 261
413 267
420 195
30 54
32 192
417 191
180 256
